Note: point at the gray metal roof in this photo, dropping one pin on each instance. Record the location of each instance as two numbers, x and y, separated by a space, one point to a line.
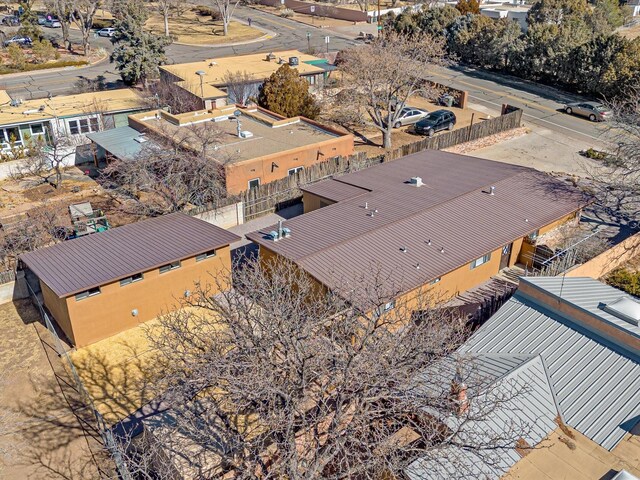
523 402
595 381
119 142
343 243
93 260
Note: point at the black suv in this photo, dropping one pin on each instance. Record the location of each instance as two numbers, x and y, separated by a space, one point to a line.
435 121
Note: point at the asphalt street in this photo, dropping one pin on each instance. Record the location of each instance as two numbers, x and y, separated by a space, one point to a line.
541 104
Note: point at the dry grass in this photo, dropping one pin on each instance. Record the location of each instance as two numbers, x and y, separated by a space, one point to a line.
630 32
192 29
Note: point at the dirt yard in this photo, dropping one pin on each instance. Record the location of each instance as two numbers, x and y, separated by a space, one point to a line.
39 435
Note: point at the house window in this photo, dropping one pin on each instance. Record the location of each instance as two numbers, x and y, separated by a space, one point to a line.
295 170
389 306
435 280
84 125
10 136
533 236
88 293
133 278
255 183
37 129
479 261
170 266
205 255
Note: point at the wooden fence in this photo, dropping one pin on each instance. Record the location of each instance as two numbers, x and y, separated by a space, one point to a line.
273 196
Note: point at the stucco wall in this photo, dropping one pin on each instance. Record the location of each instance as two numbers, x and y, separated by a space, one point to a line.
609 260
225 217
238 174
110 312
313 202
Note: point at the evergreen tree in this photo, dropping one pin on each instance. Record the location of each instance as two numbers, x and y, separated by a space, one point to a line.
137 53
287 94
29 22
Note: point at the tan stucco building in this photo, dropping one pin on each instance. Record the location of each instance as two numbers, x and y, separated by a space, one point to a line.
102 284
432 221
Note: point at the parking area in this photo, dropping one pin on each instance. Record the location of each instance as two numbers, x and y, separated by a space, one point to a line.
39 434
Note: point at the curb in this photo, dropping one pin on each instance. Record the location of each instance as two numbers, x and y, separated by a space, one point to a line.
266 36
54 70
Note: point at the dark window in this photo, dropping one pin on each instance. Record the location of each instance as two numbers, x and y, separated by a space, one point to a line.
170 266
435 280
205 255
255 183
84 125
295 170
37 129
88 293
480 261
133 278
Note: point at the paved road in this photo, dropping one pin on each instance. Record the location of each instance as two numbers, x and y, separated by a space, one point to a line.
541 104
281 34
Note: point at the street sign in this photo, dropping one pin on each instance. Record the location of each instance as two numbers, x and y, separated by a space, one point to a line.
326 39
312 8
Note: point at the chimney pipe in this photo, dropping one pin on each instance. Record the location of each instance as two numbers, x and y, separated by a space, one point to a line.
492 190
279 229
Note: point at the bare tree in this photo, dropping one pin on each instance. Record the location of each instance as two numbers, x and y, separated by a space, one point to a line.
46 160
239 86
62 9
387 72
279 379
615 177
226 9
173 171
82 15
166 7
168 94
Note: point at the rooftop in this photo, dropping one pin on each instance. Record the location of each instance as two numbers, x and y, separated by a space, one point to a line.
77 265
270 134
122 142
595 377
120 100
256 65
383 223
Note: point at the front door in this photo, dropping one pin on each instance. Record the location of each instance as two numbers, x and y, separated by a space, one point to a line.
506 254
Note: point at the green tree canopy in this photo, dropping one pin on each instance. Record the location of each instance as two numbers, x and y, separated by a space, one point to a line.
287 94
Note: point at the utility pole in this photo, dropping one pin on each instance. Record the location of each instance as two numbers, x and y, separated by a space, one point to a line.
309 42
379 21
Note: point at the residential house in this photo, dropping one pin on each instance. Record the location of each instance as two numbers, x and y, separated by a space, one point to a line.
101 284
208 79
433 220
64 116
252 145
511 11
577 341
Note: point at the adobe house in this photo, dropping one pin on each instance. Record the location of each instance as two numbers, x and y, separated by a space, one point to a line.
252 145
434 220
102 284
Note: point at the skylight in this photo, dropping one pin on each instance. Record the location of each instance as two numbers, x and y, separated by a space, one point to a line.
626 309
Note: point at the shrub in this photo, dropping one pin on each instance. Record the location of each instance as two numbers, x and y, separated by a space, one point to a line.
44 51
625 280
100 23
286 13
16 56
595 154
203 11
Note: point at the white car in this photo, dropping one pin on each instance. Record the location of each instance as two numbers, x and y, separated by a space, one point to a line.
107 32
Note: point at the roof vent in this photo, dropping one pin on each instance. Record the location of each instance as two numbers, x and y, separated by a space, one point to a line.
416 181
625 309
246 134
293 61
492 190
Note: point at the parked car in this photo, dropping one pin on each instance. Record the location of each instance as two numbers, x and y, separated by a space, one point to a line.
408 116
11 20
107 32
20 40
42 19
594 111
52 23
435 121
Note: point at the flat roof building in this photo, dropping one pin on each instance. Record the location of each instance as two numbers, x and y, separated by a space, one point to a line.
434 219
101 284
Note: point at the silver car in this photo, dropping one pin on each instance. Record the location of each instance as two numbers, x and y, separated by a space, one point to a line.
409 116
594 111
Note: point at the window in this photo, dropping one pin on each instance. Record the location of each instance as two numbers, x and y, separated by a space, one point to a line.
170 266
84 125
9 136
389 306
255 183
37 129
295 170
133 278
479 261
205 255
533 236
435 280
88 293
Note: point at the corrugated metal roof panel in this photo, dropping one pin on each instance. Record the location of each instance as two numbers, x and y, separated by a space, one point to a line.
334 190
77 265
596 383
120 142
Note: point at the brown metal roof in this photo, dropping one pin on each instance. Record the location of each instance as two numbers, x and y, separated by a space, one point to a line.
342 243
335 190
77 265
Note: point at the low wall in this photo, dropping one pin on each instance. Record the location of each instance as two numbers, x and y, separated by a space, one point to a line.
319 10
224 217
609 260
82 156
15 290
